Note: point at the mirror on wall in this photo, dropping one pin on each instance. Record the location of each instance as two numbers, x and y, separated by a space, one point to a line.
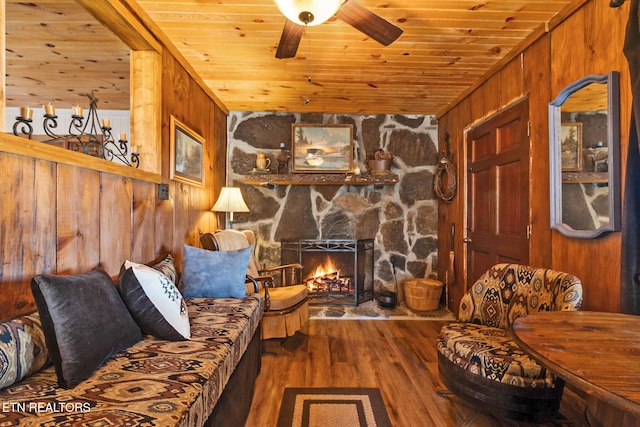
584 142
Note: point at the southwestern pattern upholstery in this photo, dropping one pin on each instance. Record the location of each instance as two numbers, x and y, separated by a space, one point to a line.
152 383
478 358
22 348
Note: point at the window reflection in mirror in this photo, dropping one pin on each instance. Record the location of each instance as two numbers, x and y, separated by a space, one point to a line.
584 157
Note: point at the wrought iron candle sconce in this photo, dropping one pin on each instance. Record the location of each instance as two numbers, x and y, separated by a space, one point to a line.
92 137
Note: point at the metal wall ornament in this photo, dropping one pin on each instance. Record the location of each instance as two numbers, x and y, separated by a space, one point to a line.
445 168
92 137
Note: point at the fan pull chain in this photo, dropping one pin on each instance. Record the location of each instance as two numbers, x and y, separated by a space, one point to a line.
306 96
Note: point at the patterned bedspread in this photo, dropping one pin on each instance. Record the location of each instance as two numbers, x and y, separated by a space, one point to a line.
153 383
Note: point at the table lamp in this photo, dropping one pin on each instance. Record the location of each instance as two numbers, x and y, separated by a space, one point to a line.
230 200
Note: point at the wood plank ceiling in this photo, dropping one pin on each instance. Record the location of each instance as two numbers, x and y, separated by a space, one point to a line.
446 47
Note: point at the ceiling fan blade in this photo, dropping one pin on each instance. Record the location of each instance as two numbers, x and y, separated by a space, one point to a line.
362 19
290 39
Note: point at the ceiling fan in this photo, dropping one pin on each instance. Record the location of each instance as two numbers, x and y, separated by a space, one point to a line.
302 13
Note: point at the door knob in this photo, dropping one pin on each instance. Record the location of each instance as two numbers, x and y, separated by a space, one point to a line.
467 240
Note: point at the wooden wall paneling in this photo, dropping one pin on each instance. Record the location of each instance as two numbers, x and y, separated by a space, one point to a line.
78 219
511 81
219 161
445 213
143 225
197 211
491 94
537 74
115 222
164 223
454 122
605 52
477 104
28 232
181 219
595 261
574 48
461 120
568 52
204 199
172 87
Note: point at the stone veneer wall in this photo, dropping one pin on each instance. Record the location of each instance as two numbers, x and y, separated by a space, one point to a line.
401 218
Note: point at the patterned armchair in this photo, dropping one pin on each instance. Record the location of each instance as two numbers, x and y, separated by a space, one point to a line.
479 361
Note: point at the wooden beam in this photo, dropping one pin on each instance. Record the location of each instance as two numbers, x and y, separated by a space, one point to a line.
119 19
38 150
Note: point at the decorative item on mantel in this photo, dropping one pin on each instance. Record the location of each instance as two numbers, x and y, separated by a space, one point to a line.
379 162
283 160
93 137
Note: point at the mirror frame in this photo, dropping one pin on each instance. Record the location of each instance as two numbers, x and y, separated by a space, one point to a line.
555 166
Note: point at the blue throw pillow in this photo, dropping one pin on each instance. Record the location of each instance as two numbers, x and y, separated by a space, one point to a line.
214 274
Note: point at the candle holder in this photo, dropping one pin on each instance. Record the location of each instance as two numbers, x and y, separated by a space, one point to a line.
90 137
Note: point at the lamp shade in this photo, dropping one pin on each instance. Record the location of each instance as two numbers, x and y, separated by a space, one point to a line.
298 10
230 200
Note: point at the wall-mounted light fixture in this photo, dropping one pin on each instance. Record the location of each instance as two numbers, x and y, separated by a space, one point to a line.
92 137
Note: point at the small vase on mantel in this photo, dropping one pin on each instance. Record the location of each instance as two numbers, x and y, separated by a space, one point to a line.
379 162
379 167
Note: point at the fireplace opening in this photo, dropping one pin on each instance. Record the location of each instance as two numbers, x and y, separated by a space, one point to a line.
336 272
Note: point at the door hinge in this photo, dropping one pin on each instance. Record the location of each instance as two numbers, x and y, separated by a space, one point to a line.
528 128
529 232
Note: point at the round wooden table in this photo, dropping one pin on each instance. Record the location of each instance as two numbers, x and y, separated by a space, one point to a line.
598 353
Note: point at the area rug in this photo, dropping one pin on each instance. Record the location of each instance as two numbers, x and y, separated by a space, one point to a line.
370 311
333 407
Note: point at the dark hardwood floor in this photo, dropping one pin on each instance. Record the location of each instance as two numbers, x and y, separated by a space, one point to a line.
398 357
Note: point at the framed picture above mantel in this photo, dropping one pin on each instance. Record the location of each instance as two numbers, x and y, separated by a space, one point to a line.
322 148
186 153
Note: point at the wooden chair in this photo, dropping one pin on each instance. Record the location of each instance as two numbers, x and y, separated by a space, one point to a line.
286 306
479 361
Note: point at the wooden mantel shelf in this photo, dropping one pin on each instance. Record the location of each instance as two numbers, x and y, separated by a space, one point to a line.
320 179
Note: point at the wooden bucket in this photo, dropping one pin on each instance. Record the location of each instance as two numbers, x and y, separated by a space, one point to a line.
423 294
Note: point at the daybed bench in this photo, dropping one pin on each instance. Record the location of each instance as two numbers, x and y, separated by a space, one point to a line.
155 382
207 379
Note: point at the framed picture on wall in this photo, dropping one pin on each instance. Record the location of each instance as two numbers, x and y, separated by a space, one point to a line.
322 148
187 156
571 146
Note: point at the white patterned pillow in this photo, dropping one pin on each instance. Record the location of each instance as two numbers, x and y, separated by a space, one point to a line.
23 350
154 302
167 266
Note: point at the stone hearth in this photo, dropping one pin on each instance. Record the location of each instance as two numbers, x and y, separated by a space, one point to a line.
401 218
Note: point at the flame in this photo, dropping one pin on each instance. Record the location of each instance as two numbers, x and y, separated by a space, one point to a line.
327 267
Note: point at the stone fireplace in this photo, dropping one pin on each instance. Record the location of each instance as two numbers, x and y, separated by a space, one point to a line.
401 219
336 272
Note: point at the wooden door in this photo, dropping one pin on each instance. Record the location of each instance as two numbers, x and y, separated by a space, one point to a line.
498 191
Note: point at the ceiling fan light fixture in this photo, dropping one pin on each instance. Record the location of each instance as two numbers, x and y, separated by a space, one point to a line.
308 12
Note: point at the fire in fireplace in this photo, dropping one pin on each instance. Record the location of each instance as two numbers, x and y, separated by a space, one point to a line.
327 278
337 272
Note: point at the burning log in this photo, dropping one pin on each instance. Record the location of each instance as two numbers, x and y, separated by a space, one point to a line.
330 282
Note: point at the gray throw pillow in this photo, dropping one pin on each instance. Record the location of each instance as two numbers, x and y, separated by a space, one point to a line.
214 274
84 320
